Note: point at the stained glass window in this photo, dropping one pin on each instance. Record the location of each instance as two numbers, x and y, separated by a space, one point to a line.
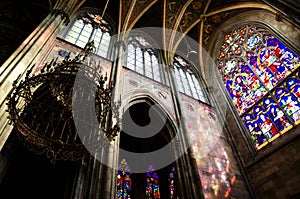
186 80
123 181
152 185
261 77
143 59
172 181
91 27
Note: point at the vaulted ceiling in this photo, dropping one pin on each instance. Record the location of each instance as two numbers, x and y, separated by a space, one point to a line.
198 19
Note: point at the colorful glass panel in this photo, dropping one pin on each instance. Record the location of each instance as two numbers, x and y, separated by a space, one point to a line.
152 185
267 60
289 103
244 87
277 116
123 181
252 124
172 183
260 75
293 85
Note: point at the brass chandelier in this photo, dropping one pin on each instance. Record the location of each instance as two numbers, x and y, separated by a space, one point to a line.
40 108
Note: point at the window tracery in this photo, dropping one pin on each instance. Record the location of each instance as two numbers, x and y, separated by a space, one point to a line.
186 80
123 181
91 26
152 185
261 78
143 59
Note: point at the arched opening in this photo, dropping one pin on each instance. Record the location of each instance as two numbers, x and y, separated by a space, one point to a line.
152 183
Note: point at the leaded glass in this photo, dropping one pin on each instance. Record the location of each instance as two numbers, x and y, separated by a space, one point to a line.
91 27
172 180
256 134
260 75
293 85
186 81
123 181
289 103
152 185
142 58
267 60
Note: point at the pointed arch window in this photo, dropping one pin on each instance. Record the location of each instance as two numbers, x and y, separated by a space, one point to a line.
90 26
123 181
186 80
261 76
172 182
152 185
143 59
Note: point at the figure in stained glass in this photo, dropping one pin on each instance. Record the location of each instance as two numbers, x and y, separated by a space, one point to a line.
172 183
276 114
253 63
289 103
293 86
265 123
256 134
152 185
123 188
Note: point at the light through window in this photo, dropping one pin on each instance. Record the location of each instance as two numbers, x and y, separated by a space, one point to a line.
143 59
186 80
91 27
261 77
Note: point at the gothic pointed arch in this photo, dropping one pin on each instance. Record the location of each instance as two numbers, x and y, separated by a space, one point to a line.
256 65
152 183
143 56
88 25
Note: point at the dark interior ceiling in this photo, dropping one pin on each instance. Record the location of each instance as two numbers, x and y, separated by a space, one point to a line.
217 4
19 18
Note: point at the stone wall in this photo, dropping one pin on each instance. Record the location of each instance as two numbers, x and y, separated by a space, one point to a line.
273 171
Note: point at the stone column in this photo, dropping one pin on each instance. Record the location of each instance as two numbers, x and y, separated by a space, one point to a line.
112 152
29 53
188 184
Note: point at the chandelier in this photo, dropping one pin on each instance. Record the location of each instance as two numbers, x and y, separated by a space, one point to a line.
40 108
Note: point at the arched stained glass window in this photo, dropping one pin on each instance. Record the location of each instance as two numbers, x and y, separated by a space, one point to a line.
172 181
91 27
143 59
186 80
261 77
123 181
152 185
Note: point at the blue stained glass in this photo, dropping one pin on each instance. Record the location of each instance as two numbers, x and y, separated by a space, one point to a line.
266 125
276 114
152 185
291 82
293 86
253 124
258 138
289 103
244 88
251 62
296 91
123 188
172 183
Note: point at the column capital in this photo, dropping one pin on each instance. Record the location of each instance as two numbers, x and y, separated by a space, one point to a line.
64 16
120 43
66 8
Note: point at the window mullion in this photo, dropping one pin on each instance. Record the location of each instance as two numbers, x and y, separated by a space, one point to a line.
100 41
80 33
181 81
